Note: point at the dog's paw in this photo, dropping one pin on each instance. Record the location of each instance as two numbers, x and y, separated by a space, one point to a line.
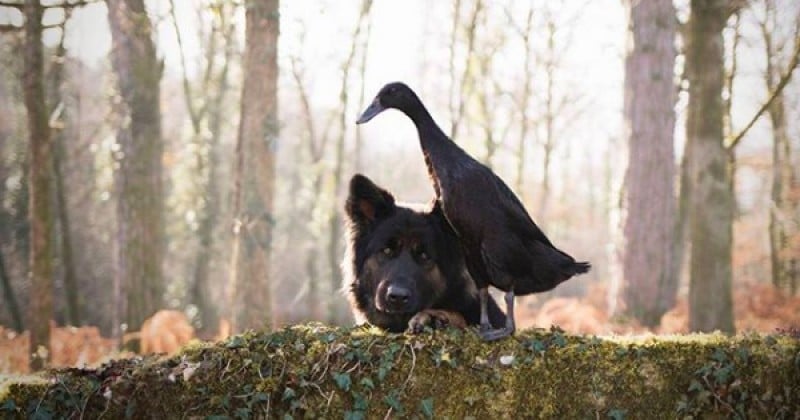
435 319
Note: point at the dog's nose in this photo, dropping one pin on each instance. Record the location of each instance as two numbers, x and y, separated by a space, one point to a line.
398 294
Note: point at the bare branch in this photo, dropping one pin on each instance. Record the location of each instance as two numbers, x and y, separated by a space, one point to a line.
314 151
187 92
465 76
731 74
7 27
11 4
65 5
784 80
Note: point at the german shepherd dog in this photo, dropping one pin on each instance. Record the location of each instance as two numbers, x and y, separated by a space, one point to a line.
403 268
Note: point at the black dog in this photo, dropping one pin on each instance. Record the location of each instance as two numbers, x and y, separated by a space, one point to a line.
403 267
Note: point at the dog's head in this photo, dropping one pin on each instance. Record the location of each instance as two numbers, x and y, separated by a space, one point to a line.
393 256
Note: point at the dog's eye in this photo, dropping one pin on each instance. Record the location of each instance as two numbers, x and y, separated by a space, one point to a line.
424 256
387 250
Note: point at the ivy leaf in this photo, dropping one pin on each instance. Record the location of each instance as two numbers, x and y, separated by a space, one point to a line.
359 402
719 356
235 342
537 346
8 405
354 415
288 394
695 386
559 340
426 406
392 401
342 380
367 383
243 413
617 414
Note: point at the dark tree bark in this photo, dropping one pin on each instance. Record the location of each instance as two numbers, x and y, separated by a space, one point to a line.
140 200
40 305
6 289
73 300
9 297
250 285
712 197
650 282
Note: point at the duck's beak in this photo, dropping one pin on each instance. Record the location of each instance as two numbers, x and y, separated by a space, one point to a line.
372 110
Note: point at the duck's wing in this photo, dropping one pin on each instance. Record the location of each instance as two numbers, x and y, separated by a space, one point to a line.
518 219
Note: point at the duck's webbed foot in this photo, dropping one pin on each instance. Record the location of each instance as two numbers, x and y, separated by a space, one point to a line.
486 332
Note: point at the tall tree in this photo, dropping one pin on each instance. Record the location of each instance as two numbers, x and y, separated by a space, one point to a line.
316 142
334 219
523 102
140 200
41 218
70 278
206 117
249 284
650 282
6 219
460 82
785 205
712 196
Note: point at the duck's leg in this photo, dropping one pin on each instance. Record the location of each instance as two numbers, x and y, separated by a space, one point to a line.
483 297
490 334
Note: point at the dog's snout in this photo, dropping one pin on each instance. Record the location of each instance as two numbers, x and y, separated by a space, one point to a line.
398 294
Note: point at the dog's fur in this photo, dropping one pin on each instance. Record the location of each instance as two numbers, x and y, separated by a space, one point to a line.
403 267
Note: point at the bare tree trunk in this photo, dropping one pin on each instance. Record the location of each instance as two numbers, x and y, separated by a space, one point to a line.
549 118
208 111
316 145
524 101
334 222
74 304
459 98
681 237
41 215
10 298
6 289
784 205
140 187
209 219
74 312
362 73
650 283
251 287
712 210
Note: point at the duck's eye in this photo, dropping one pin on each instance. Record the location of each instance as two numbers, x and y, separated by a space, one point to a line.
424 256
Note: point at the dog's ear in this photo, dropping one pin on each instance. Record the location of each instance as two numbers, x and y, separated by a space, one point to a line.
367 202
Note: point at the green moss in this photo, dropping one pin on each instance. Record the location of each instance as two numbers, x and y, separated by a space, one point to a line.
317 371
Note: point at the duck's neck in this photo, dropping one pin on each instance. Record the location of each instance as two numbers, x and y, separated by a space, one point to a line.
432 139
437 147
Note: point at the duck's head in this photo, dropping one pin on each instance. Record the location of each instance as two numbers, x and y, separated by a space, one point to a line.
395 95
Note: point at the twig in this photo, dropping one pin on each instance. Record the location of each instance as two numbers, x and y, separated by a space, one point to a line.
408 378
784 80
65 5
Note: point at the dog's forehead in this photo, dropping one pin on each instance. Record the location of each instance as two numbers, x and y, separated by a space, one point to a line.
404 226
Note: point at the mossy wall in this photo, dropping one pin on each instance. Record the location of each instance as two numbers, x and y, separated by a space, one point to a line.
316 371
